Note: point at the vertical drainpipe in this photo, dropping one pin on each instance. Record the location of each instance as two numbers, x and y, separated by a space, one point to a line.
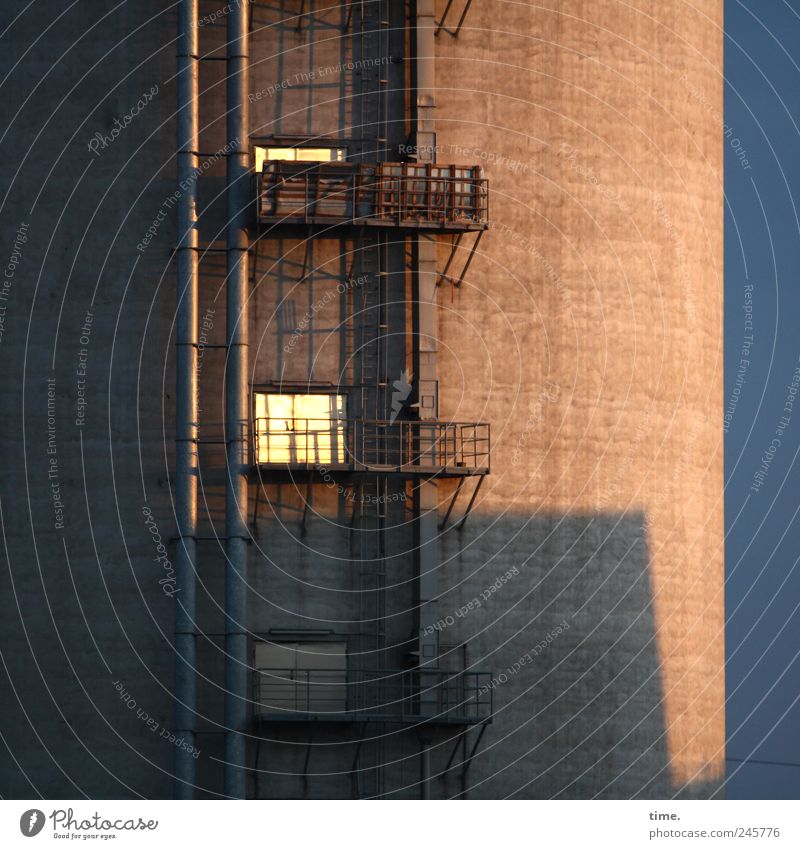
426 328
425 769
186 405
236 405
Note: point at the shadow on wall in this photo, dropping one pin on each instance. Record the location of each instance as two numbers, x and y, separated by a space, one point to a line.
585 718
558 608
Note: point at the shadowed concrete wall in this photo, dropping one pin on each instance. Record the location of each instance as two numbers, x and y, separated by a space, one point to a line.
83 611
588 332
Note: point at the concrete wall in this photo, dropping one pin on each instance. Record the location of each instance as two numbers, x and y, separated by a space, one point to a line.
83 612
588 332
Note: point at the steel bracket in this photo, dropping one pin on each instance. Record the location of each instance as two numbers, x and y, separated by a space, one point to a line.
307 504
470 505
442 24
456 282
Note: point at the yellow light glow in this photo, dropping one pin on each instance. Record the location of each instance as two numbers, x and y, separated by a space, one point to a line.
300 428
296 154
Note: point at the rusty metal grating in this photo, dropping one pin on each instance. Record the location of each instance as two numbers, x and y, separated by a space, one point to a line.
389 194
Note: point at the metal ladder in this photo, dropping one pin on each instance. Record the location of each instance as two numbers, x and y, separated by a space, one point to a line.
371 547
371 46
371 553
373 326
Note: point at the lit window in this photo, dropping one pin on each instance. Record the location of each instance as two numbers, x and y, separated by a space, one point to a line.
301 429
297 154
301 676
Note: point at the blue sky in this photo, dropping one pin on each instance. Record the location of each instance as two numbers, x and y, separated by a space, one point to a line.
762 250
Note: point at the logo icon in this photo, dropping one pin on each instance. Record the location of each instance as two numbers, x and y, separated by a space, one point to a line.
31 822
400 395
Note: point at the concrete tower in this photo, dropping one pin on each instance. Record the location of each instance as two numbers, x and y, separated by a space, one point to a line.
444 513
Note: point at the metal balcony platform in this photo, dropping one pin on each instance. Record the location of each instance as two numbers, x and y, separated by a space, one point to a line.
414 448
402 195
413 696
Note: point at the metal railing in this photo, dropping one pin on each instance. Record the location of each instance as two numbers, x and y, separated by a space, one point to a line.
390 194
382 445
358 695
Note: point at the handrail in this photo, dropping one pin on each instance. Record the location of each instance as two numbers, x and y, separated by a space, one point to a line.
408 694
401 444
403 194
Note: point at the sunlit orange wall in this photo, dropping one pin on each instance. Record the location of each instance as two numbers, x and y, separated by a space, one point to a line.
589 330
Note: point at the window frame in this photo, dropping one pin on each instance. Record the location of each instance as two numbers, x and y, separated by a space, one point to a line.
311 446
309 686
269 148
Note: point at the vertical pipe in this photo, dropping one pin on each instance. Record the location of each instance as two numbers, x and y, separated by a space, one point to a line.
186 405
426 332
424 769
236 405
425 69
